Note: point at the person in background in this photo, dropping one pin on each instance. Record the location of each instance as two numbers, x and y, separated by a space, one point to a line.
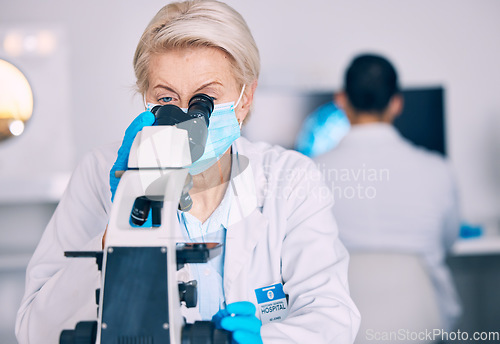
389 194
269 219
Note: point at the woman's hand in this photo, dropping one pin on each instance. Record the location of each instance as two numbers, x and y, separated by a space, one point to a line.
239 318
143 120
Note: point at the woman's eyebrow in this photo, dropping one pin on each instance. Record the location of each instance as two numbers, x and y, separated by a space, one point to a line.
208 84
205 85
166 87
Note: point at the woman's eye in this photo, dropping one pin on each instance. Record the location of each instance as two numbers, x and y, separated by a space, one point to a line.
165 99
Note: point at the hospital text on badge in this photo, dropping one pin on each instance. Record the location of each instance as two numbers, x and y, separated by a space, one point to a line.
272 303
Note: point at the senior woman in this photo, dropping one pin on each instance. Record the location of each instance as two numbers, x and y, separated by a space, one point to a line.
272 215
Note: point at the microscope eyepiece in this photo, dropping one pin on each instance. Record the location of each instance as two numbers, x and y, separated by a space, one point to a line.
200 106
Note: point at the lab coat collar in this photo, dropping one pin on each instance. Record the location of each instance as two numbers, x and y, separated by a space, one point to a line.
377 130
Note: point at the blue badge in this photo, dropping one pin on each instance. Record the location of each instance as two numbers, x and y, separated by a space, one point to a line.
272 303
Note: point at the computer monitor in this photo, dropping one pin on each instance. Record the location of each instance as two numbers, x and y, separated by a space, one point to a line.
421 122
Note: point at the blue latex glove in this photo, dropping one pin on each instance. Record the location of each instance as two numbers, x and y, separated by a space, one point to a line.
143 120
239 318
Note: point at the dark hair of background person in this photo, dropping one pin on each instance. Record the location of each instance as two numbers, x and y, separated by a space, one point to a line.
370 83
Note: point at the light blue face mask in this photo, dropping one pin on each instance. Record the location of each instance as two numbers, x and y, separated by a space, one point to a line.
223 130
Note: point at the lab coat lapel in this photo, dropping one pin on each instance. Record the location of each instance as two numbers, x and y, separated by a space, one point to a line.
246 225
241 240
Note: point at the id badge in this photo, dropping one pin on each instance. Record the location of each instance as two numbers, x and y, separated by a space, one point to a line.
272 303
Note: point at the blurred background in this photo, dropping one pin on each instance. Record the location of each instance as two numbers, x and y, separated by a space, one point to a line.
77 58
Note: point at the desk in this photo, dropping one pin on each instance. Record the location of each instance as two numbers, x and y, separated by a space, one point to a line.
487 243
483 245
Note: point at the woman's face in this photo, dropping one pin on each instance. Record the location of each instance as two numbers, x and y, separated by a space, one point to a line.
176 76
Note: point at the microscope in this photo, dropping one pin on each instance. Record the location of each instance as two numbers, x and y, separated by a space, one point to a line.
140 298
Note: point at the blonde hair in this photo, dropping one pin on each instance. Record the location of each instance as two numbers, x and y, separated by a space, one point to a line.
194 23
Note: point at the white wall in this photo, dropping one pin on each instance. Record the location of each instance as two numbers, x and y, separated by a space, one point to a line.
307 45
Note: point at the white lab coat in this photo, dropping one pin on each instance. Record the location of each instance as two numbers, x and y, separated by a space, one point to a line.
282 231
393 196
